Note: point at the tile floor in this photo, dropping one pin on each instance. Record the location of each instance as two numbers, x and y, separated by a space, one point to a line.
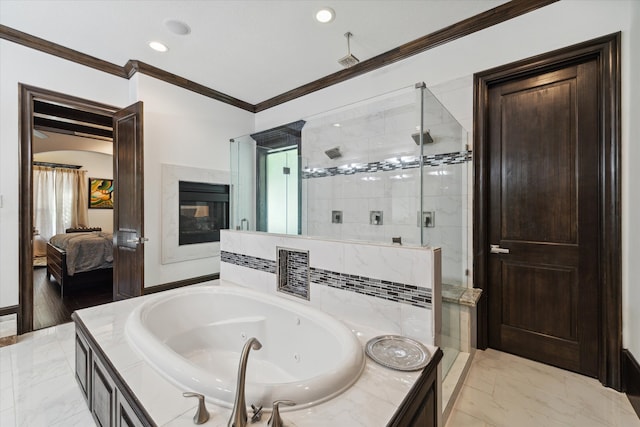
37 384
506 390
37 388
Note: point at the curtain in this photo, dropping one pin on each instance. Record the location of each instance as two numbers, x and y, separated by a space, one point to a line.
44 201
59 200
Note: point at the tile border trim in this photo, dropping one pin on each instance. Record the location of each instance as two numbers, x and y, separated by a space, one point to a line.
383 289
408 162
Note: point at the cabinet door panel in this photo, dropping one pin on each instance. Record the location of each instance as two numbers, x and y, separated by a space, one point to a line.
103 396
125 416
83 365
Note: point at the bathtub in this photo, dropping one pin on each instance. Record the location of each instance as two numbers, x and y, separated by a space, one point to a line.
194 337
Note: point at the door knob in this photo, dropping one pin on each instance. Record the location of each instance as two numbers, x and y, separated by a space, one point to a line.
496 249
138 240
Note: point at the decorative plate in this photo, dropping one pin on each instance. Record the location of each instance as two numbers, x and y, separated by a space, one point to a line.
398 352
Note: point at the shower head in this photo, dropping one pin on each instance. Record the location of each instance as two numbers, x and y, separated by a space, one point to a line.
349 60
427 139
333 153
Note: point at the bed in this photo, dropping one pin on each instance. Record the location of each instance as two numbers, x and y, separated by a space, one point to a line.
80 259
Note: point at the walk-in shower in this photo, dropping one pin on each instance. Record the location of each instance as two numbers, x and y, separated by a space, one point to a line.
391 169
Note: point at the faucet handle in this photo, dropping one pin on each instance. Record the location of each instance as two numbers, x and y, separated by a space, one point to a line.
276 420
202 415
257 413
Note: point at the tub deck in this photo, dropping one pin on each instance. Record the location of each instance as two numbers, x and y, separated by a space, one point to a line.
372 401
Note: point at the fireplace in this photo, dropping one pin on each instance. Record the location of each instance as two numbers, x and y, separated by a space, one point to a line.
204 211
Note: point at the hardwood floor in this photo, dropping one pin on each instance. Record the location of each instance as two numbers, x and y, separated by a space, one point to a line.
49 309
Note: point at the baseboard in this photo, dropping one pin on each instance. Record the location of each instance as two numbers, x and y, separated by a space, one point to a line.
631 379
180 283
12 309
7 335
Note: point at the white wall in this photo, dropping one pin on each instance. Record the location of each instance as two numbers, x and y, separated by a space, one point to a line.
22 65
185 129
630 198
97 165
555 26
181 128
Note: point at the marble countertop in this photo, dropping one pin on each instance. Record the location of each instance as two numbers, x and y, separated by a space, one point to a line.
460 295
370 402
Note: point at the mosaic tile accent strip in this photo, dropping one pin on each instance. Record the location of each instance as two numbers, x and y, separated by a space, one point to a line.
404 162
248 261
293 272
392 291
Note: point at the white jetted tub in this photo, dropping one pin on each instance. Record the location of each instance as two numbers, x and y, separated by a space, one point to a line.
194 338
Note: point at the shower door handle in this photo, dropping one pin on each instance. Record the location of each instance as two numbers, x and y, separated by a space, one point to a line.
496 249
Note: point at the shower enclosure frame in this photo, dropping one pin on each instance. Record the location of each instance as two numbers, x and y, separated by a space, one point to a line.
281 137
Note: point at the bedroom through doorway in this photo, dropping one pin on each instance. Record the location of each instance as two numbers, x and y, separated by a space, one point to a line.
72 189
65 168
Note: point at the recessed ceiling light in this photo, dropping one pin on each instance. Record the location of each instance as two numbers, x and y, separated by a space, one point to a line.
336 125
325 15
177 27
159 47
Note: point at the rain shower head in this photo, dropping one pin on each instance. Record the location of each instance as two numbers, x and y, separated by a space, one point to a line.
333 153
349 60
427 139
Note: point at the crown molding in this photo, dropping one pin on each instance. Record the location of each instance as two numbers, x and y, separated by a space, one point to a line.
455 31
54 49
133 66
460 29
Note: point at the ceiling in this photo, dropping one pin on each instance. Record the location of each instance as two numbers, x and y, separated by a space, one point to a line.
54 141
252 50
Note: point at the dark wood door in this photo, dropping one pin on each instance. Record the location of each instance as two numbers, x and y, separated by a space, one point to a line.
128 270
543 211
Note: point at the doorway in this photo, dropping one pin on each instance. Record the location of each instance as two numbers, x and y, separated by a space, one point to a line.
282 189
547 208
43 110
279 179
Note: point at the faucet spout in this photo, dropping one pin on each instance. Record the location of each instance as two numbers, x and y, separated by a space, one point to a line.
239 414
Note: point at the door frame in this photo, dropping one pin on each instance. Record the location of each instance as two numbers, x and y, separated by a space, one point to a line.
606 51
28 94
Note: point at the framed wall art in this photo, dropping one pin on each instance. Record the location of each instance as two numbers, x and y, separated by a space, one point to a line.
100 193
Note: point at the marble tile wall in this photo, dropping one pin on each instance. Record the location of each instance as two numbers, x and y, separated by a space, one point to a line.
375 135
383 286
172 252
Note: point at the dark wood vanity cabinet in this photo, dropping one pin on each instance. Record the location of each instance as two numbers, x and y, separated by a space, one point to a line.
83 365
125 415
107 398
420 407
